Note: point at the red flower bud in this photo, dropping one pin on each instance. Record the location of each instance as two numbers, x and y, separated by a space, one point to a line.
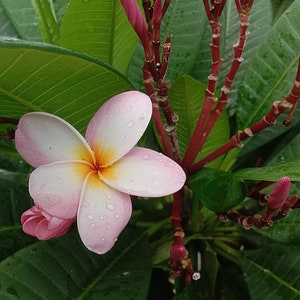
279 194
178 252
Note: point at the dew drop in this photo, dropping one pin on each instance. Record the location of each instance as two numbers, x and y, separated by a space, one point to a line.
110 207
93 225
115 238
108 226
108 197
103 239
130 124
101 217
117 216
146 157
85 204
90 217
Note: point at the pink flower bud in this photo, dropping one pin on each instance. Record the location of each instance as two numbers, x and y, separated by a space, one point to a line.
279 194
178 252
135 17
36 222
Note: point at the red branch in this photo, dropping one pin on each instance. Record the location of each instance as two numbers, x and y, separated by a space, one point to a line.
208 115
278 107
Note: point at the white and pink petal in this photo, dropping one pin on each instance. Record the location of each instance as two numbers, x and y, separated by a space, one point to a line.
42 138
102 215
56 187
144 172
118 125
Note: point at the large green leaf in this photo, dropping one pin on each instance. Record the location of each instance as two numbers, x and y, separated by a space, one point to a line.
272 273
99 28
271 73
14 199
217 190
289 168
64 269
47 78
6 27
186 98
20 15
285 230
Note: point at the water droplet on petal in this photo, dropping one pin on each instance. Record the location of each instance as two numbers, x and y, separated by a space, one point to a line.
117 216
90 217
93 225
103 239
110 207
85 204
130 124
146 157
101 217
115 238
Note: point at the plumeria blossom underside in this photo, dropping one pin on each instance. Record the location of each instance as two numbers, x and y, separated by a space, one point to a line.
91 179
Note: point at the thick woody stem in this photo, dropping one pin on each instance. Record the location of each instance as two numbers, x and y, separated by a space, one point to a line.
278 107
162 98
148 80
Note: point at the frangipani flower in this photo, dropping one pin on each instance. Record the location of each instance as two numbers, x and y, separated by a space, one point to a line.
92 179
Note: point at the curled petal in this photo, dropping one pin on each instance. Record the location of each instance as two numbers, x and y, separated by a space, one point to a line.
279 194
38 223
56 187
102 215
144 172
43 138
118 125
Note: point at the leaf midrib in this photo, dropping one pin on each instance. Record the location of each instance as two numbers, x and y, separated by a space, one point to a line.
274 276
109 267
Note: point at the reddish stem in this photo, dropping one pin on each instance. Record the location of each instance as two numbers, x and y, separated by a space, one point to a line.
278 107
194 145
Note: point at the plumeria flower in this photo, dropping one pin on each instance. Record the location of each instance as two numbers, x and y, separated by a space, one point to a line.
91 179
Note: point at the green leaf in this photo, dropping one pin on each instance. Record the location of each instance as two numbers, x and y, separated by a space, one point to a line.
64 269
271 73
290 168
100 29
22 17
14 200
288 147
186 98
47 20
217 190
285 230
210 268
6 26
272 273
37 77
